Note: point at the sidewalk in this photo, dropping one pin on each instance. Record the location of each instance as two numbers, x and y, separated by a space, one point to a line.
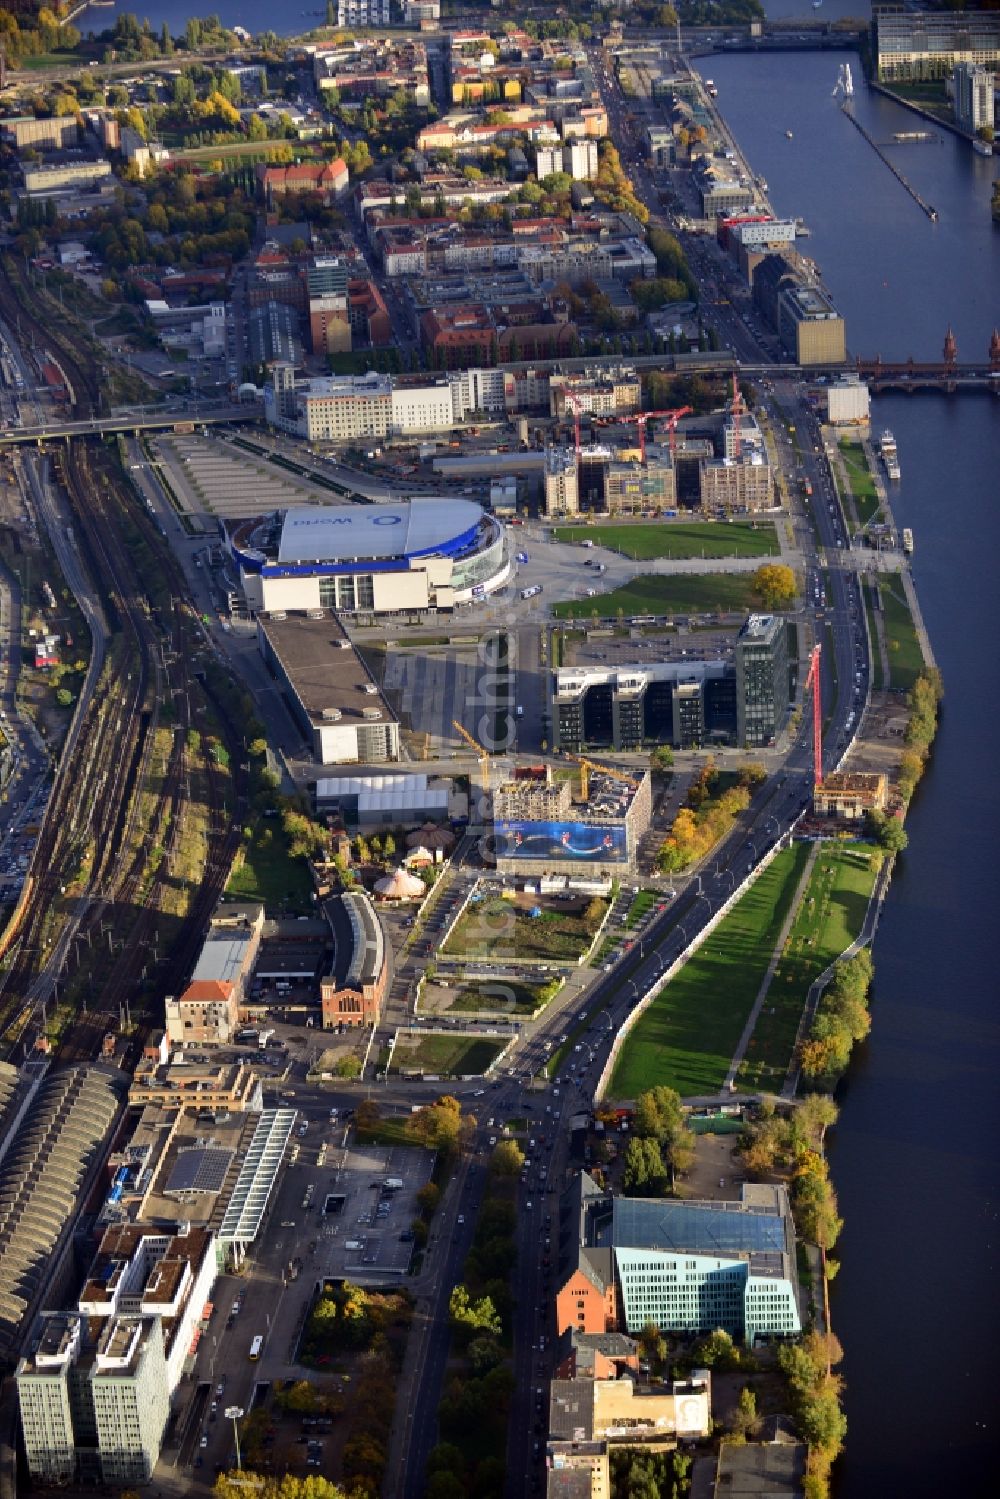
779 947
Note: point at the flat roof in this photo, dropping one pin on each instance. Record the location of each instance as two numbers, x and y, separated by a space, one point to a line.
222 956
326 672
248 1204
411 528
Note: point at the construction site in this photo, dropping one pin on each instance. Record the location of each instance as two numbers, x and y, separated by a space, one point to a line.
549 822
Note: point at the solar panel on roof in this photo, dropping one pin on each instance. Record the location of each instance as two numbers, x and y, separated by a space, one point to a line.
200 1168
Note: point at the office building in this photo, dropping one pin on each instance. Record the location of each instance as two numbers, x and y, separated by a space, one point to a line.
64 176
626 707
916 45
561 482
688 1267
974 88
761 679
799 310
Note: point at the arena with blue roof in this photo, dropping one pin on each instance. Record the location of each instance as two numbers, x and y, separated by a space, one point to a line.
378 558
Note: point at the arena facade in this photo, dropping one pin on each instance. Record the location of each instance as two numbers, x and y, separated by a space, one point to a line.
371 558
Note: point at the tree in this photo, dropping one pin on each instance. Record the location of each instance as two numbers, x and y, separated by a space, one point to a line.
774 584
662 757
507 1158
271 1486
439 1125
480 1315
347 1066
745 1417
644 1172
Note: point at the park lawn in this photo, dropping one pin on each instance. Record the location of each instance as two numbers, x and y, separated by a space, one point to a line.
642 903
445 1056
905 659
828 920
866 500
687 1036
471 998
486 929
655 593
679 539
877 680
269 874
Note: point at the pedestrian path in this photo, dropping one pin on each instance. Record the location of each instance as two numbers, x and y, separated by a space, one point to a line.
863 938
779 948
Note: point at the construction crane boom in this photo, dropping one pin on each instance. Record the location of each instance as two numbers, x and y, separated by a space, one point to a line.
640 418
813 681
586 766
484 755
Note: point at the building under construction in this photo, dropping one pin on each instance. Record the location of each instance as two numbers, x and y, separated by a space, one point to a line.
547 826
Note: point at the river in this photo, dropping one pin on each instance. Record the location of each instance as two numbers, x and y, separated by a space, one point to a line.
914 1157
255 15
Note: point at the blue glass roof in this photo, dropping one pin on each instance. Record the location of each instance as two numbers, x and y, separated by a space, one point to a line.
702 1228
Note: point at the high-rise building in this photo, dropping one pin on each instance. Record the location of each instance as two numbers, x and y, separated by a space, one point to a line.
910 44
973 98
761 679
561 482
625 707
97 1410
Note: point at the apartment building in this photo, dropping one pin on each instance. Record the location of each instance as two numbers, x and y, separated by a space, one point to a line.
603 393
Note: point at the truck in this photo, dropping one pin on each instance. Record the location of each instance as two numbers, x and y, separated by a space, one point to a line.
530 593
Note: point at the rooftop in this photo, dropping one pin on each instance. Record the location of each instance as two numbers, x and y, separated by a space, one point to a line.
329 677
408 528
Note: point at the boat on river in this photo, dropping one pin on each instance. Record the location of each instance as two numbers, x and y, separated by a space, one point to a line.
890 456
907 541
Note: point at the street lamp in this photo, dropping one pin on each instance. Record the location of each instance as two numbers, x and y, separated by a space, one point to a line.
234 1413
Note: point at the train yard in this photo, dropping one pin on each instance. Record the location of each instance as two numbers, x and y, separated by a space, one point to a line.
90 941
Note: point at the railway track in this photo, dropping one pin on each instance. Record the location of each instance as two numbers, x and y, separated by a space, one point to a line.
96 796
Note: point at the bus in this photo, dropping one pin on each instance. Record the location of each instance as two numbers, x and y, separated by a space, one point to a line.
255 1348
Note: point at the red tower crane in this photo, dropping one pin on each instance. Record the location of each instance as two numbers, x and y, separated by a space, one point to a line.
574 401
737 418
812 680
640 418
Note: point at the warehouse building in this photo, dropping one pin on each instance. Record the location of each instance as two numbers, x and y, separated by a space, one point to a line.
353 993
329 690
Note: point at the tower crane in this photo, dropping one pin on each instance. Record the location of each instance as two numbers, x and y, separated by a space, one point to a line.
482 754
813 681
586 766
737 409
640 418
573 401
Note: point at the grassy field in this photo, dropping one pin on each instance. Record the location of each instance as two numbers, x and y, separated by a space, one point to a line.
492 925
654 594
905 660
687 1037
445 1056
268 874
866 500
679 539
486 997
878 682
830 917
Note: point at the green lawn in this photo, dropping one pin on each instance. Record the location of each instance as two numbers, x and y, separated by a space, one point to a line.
496 927
269 874
642 903
445 1056
905 659
687 1037
679 538
878 682
489 997
653 593
829 919
861 481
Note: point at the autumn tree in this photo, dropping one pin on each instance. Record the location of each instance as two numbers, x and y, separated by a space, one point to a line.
774 585
507 1158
